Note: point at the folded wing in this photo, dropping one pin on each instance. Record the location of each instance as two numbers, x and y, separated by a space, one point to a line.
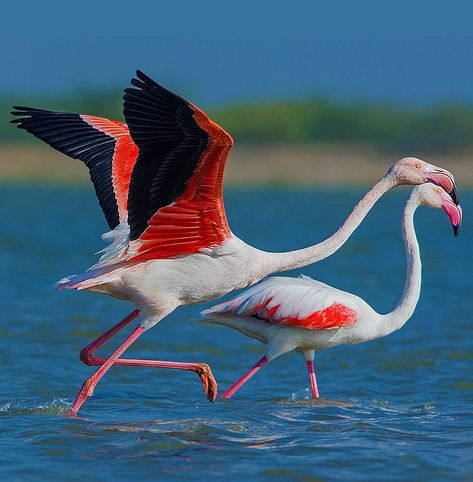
297 302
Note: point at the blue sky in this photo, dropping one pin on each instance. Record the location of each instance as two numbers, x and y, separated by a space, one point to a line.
222 52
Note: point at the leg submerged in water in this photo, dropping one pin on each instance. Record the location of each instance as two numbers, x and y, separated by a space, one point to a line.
87 389
308 355
87 356
241 381
309 358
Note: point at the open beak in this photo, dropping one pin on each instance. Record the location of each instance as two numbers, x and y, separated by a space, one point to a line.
444 179
454 212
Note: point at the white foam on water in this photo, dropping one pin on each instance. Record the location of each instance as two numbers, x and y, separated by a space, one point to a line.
57 405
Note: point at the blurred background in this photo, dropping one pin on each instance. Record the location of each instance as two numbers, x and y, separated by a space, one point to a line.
309 96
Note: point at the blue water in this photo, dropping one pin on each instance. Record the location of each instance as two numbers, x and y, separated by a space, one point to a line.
399 408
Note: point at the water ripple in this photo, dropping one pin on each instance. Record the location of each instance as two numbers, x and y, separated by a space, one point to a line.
394 409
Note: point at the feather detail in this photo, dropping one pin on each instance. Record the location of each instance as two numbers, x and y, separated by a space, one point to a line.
175 201
302 303
118 240
103 145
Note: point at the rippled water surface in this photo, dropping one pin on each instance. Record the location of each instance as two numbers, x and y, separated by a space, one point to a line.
396 408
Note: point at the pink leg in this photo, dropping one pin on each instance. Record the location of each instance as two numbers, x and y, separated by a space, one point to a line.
87 389
87 356
202 369
239 383
313 381
87 353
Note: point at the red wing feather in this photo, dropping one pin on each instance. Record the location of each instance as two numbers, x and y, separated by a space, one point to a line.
196 219
124 157
298 303
334 316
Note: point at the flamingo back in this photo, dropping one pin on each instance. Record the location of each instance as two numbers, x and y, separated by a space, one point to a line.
296 302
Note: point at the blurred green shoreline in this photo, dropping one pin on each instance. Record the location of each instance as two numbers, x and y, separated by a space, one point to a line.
275 165
316 141
386 127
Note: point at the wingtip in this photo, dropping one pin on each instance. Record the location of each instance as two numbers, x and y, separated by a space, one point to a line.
141 75
23 107
24 112
140 81
19 110
144 78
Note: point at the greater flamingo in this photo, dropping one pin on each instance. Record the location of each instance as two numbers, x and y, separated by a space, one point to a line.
306 315
159 182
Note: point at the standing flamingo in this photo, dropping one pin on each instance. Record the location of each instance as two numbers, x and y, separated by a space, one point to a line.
159 182
306 315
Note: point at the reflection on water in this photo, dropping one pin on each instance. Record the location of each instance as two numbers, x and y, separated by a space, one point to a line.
397 408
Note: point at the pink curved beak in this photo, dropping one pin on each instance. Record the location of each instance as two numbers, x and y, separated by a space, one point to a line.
444 179
453 211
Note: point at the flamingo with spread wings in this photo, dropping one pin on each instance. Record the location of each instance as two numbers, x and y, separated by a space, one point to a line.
159 178
306 315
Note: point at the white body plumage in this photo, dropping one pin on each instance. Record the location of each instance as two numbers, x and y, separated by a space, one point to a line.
157 287
297 298
307 315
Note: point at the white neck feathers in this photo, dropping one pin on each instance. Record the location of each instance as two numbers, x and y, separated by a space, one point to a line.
406 306
317 252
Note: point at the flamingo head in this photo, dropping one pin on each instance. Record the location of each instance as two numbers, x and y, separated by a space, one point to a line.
435 197
410 170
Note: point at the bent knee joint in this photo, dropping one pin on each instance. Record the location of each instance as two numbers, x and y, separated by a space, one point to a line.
87 357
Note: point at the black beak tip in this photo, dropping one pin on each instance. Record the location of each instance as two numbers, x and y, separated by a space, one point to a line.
456 230
454 195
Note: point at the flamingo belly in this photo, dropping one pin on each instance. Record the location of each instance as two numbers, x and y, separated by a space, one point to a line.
189 279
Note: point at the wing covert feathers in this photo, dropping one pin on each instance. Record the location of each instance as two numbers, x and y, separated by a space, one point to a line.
181 165
290 302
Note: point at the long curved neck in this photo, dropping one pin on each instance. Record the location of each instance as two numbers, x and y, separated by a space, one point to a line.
406 306
317 252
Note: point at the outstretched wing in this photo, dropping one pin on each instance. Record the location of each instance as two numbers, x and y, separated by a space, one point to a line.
175 204
297 302
105 146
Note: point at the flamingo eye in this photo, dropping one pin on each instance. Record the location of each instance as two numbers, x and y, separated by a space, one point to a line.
417 165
